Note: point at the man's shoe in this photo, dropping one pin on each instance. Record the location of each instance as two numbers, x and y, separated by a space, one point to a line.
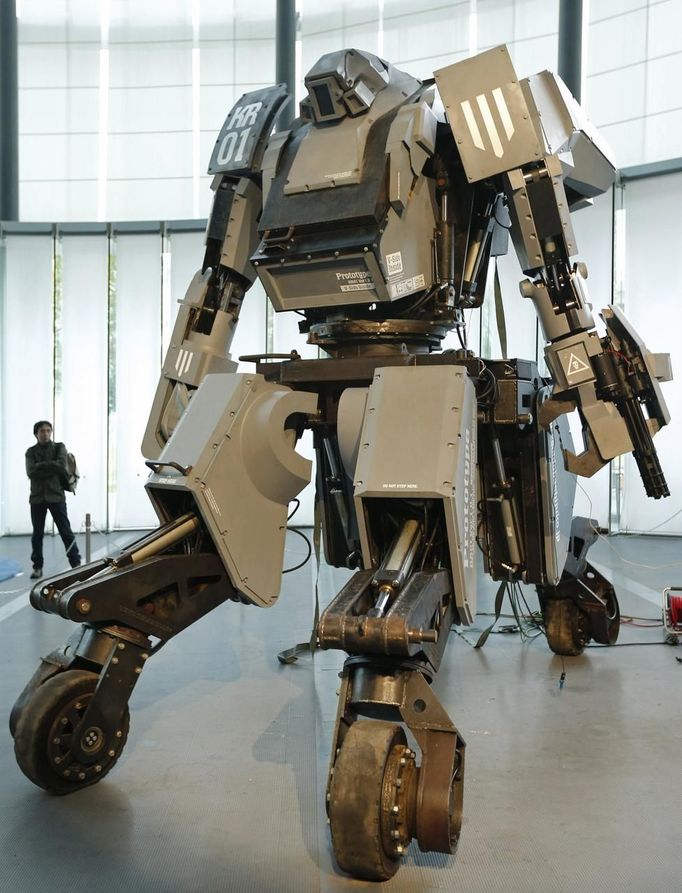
36 573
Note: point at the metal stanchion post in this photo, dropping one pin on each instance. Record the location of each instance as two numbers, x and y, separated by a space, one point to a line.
88 538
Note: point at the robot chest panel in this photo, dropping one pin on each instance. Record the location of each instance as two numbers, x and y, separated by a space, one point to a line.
330 236
343 258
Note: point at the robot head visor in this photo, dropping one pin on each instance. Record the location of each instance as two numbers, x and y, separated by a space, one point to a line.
330 103
327 99
344 83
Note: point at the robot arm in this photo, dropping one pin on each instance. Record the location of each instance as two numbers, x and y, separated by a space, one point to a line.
534 141
208 315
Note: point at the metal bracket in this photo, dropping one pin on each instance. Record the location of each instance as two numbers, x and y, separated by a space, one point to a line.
417 622
440 789
158 596
108 704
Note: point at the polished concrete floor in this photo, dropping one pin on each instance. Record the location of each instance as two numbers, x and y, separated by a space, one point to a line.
221 785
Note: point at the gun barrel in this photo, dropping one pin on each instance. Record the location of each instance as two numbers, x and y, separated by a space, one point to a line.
644 450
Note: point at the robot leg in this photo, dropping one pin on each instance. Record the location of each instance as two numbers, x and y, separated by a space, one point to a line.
379 796
221 487
522 469
415 495
71 721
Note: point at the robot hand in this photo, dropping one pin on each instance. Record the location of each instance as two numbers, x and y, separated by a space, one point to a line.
613 381
628 375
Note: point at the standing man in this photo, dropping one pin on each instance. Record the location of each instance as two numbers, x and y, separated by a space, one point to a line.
46 467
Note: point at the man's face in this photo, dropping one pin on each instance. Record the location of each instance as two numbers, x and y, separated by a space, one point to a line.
44 434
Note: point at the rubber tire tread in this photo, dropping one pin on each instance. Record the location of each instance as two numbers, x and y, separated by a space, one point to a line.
355 806
39 677
35 722
562 627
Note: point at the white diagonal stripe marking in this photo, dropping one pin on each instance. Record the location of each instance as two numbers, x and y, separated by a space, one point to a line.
188 360
501 104
179 361
212 501
490 124
473 126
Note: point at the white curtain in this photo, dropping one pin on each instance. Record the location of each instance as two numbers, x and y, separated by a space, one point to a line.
137 340
81 369
251 337
653 280
27 362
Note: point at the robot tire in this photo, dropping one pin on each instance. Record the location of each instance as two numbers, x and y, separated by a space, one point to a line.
44 729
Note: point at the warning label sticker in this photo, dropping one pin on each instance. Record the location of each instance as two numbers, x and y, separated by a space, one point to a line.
576 365
394 263
405 286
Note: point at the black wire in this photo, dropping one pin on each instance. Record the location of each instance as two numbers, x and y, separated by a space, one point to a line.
499 223
532 617
310 550
491 386
626 618
429 544
625 644
295 509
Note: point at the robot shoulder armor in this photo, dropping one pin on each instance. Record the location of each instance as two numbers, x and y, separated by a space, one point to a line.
491 122
243 137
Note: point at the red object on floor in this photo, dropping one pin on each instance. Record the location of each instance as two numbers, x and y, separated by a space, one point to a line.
672 609
676 610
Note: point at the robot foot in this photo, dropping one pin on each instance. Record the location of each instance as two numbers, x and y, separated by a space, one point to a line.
578 610
49 724
379 797
71 723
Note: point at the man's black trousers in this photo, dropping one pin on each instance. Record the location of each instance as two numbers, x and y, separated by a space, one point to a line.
61 519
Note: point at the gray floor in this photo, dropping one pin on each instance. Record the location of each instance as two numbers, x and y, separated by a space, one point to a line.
221 785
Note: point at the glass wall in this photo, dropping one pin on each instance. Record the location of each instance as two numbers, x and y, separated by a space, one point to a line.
652 287
634 68
120 102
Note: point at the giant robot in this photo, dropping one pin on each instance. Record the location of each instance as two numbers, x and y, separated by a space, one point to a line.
374 217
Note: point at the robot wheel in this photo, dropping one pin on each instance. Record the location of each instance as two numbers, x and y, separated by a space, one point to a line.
372 800
43 735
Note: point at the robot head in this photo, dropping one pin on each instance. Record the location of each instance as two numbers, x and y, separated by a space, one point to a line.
343 83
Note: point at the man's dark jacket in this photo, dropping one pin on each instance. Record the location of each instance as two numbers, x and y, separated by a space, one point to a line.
46 467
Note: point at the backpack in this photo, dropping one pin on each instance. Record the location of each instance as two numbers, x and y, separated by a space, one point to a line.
72 475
